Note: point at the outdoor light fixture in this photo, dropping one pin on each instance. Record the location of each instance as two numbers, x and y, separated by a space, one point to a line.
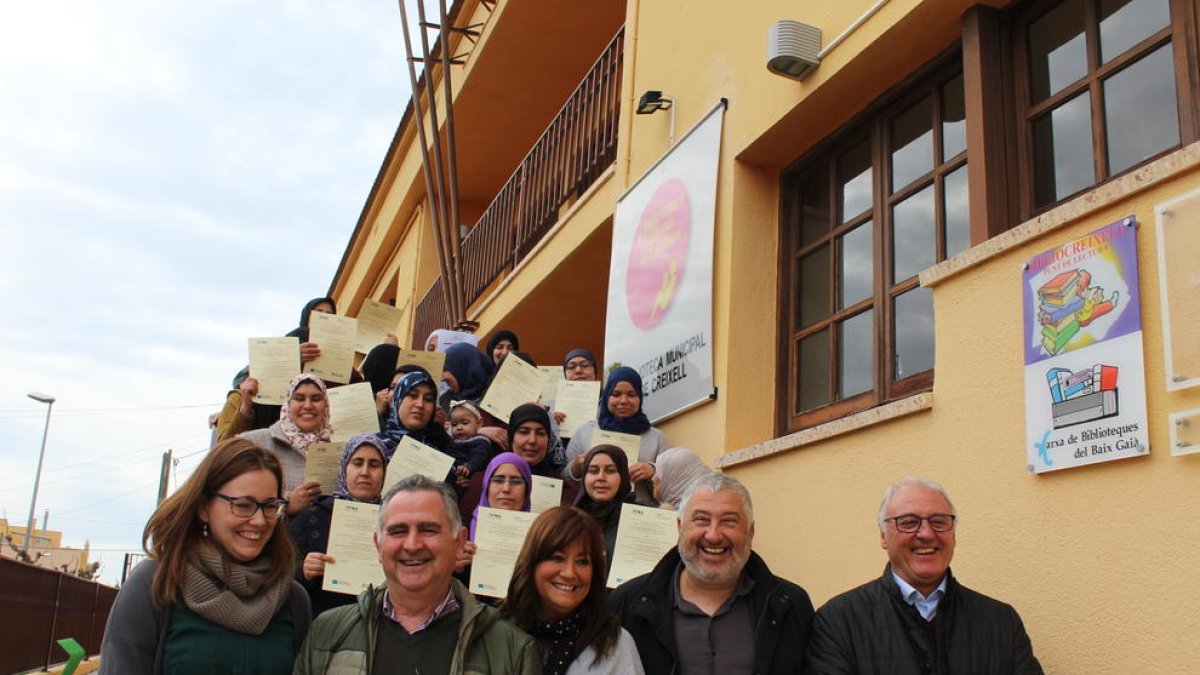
793 49
49 401
653 101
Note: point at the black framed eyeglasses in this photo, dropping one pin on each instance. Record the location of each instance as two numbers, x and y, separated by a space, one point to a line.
909 523
245 507
515 481
578 365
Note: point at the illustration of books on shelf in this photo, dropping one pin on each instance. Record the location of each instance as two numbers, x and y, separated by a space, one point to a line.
1068 303
1082 396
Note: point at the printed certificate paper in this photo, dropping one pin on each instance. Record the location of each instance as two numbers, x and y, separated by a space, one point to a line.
352 546
352 410
546 494
499 535
579 401
335 336
375 321
323 464
411 458
629 443
274 362
644 535
516 383
432 362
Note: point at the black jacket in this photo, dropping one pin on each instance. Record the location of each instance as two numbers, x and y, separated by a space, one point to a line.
782 610
872 630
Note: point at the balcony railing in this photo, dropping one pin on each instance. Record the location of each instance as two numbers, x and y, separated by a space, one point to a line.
573 151
430 314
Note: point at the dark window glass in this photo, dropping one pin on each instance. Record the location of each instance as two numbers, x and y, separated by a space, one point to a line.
1062 149
856 269
954 119
912 140
1141 117
914 228
1057 49
914 332
813 294
1124 23
814 208
855 180
856 353
812 377
957 205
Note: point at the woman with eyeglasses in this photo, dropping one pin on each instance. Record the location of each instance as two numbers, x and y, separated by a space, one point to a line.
557 594
217 593
303 421
507 482
621 411
364 465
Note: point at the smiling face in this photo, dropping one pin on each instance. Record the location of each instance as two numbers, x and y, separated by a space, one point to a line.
416 545
416 408
308 407
563 581
602 478
531 441
506 489
624 401
715 535
921 558
242 538
364 473
502 349
463 424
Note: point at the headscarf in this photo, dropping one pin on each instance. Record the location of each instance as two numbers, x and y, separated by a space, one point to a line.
499 335
433 434
300 440
380 365
301 331
498 461
241 377
601 511
677 468
579 352
342 491
637 424
471 368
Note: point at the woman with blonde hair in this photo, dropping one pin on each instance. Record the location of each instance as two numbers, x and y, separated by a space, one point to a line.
557 594
217 593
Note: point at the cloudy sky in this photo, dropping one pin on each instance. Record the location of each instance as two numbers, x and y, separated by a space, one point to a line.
174 178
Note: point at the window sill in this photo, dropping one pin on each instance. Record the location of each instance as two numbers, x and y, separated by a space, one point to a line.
1103 196
890 411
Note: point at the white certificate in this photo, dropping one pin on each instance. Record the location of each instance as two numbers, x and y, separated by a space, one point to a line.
274 362
499 535
323 463
516 383
412 457
432 362
375 321
335 336
555 375
353 548
546 493
352 410
579 402
630 444
643 537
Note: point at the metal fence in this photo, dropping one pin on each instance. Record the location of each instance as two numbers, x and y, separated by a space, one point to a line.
40 606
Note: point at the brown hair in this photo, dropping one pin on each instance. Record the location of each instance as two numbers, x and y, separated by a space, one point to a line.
174 530
554 530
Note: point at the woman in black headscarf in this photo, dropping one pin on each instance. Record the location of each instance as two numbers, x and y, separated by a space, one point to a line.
606 487
501 344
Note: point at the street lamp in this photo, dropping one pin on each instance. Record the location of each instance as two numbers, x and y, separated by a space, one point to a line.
49 401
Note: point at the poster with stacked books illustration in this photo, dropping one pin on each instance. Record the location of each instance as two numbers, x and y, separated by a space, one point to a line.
1085 385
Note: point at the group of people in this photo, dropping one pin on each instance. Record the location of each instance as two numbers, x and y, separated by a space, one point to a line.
238 553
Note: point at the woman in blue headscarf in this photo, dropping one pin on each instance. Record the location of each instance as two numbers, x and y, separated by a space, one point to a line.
466 372
621 411
364 465
414 400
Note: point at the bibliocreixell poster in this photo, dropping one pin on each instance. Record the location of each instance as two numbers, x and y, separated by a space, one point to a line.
1085 385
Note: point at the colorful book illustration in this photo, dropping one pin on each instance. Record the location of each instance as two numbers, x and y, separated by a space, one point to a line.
1082 396
1068 303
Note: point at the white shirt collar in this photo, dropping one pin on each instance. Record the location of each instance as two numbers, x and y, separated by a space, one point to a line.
926 605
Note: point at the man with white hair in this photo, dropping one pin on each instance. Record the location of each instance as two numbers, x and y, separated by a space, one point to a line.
917 618
711 605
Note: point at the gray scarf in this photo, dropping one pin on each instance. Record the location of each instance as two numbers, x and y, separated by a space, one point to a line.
230 593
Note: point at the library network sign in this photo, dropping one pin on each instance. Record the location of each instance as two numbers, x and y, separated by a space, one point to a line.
1085 385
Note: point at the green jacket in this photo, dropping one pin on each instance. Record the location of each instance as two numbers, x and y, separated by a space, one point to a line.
342 640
